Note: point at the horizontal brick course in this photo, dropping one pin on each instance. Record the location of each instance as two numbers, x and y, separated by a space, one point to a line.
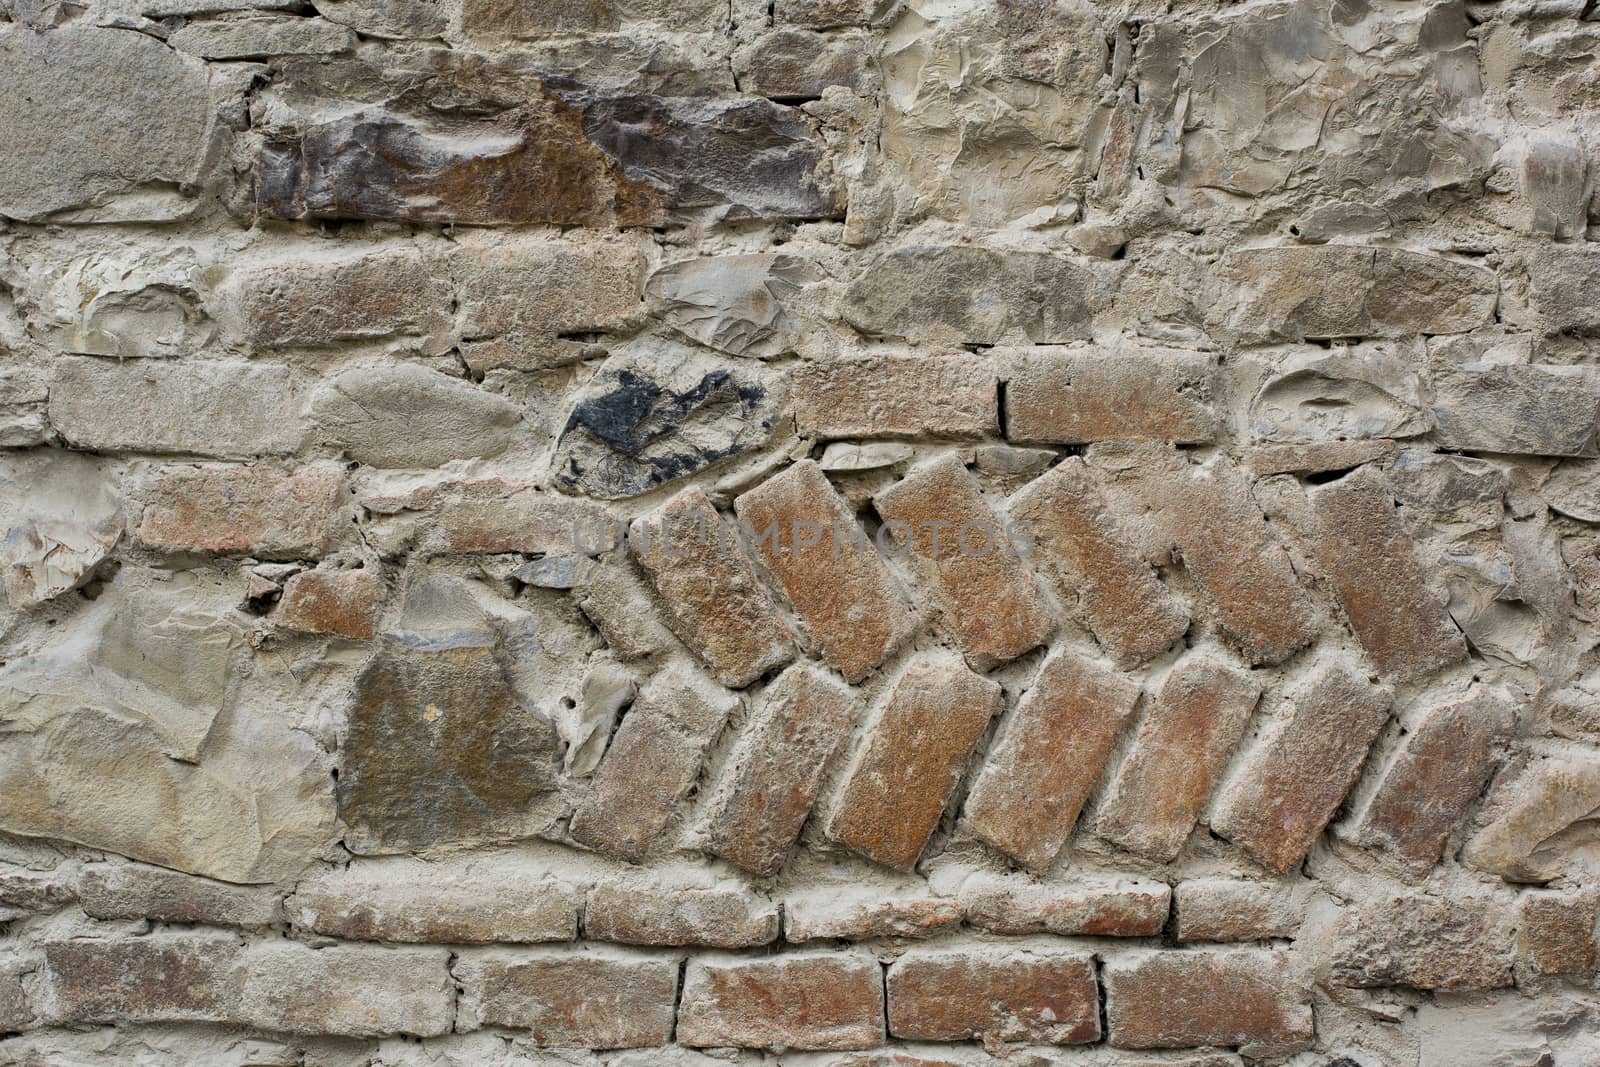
994 995
796 1001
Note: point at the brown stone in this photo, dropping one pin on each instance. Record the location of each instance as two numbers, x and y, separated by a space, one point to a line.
1299 769
179 978
837 582
665 914
1446 762
536 288
1186 999
1266 460
1075 395
794 1001
15 1015
1079 542
1110 909
496 515
367 902
897 396
913 759
323 303
258 511
341 603
993 995
990 601
1526 812
863 915
654 759
587 998
794 65
776 767
1371 562
1227 909
1425 942
1180 752
1047 757
135 891
713 599
347 991
1556 932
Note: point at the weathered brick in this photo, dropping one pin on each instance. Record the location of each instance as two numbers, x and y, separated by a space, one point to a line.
347 991
1424 792
994 995
654 759
776 767
1076 395
796 64
665 914
1089 552
1300 768
1557 931
1371 562
795 1001
865 914
225 410
713 599
1533 410
1563 278
24 890
260 38
537 288
824 14
1179 754
256 510
343 603
990 601
585 998
1120 908
495 515
613 597
1228 909
1526 809
408 416
827 568
135 891
1047 757
1187 999
528 20
913 759
15 1014
24 393
1265 460
896 396
1425 942
320 303
179 978
380 902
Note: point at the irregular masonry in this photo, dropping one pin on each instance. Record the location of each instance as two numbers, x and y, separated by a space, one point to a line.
810 533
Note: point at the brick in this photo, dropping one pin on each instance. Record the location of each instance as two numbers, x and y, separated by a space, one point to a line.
665 914
347 991
222 410
588 998
1192 998
989 600
1120 908
261 38
180 978
713 600
501 515
1424 942
831 574
412 417
1076 395
824 14
527 20
15 1014
536 288
341 603
135 891
1266 460
798 1000
863 915
777 765
1556 932
1046 758
913 759
25 890
1178 756
1371 563
1089 553
653 761
1526 410
319 303
259 511
1562 279
24 394
1445 763
1228 909
613 597
896 396
1296 773
994 995
366 902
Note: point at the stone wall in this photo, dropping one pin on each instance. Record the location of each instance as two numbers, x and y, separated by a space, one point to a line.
679 533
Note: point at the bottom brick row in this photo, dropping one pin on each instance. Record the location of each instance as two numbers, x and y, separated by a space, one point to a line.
600 997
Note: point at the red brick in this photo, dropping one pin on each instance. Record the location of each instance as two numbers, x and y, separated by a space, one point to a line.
1075 395
896 396
1189 999
1300 768
1424 942
713 600
866 914
1444 765
1179 754
588 998
347 991
260 511
434 904
1556 932
1228 909
1371 563
1047 757
990 601
1121 908
777 765
839 585
664 914
341 603
653 761
913 760
136 891
796 1001
1097 571
184 978
994 995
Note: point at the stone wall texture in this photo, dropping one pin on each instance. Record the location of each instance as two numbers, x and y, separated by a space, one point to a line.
809 533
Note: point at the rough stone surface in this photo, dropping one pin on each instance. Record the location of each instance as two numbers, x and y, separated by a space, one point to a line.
136 891
571 999
1227 909
896 396
800 1001
1017 906
1049 998
407 903
1425 943
738 304
253 510
1184 999
411 417
679 915
349 991
1074 395
337 603
1557 933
